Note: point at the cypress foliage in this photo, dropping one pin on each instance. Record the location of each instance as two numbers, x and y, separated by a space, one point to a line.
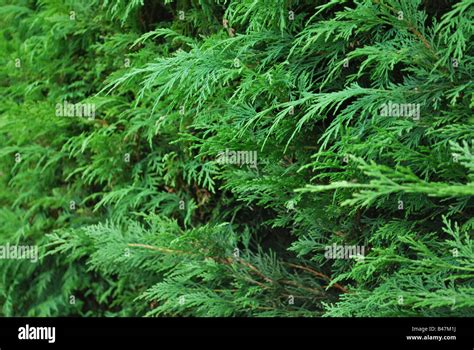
237 158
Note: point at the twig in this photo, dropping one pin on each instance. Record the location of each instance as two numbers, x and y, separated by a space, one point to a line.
319 274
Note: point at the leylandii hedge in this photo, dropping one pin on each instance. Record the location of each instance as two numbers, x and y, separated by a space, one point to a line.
236 158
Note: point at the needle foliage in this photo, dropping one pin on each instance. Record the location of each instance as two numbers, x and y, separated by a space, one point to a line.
232 143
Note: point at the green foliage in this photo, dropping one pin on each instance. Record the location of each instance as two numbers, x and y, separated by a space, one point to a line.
232 143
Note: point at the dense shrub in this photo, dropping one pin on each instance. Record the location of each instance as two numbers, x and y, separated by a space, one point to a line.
227 158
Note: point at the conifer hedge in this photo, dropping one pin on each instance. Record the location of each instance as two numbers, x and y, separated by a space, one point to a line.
237 158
